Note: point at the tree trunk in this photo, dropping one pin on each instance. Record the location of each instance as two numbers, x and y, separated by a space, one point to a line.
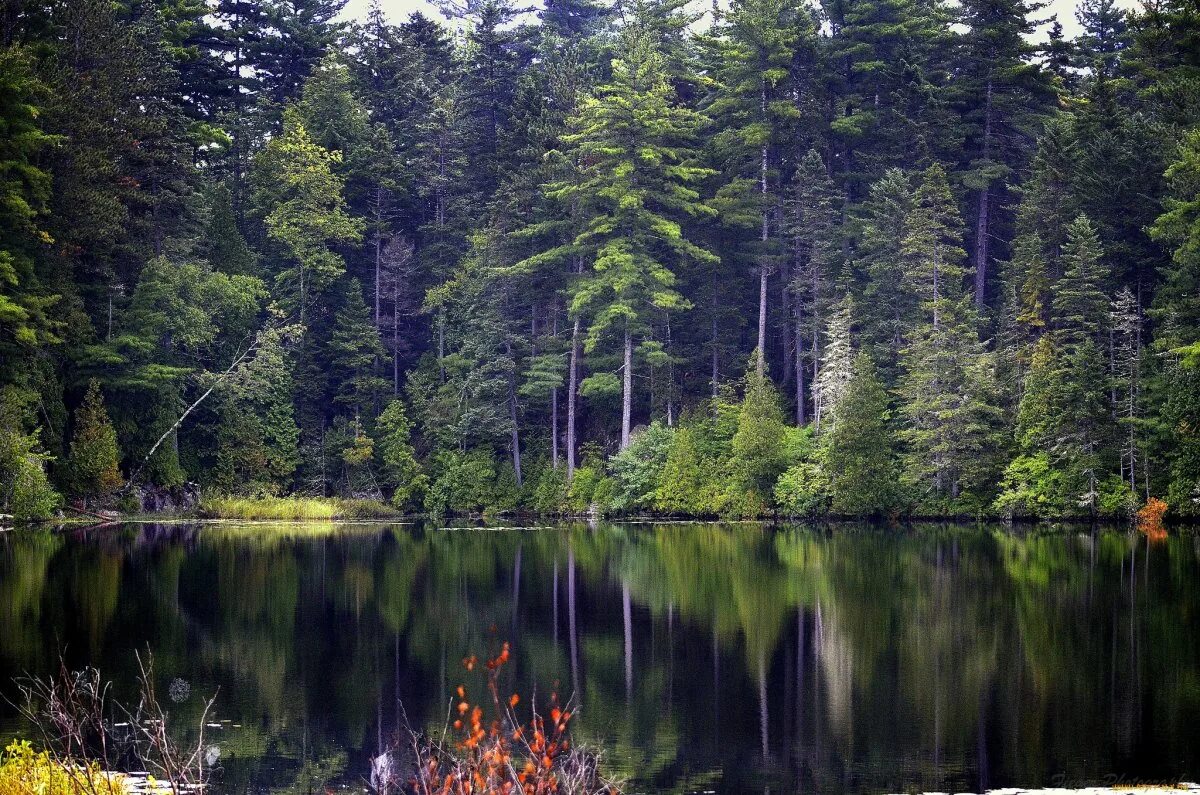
512 415
760 362
627 390
801 407
981 222
554 407
572 388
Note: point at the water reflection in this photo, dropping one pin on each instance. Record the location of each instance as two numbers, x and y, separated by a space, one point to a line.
727 657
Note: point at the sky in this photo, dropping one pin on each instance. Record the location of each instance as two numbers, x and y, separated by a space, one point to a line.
398 10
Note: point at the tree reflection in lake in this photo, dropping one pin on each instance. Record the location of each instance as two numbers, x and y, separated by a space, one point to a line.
725 657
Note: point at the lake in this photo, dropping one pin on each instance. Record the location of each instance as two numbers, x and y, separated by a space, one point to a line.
727 657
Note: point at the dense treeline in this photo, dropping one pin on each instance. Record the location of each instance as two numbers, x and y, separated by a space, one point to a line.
871 256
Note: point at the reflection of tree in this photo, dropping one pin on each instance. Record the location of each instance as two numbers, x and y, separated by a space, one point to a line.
789 653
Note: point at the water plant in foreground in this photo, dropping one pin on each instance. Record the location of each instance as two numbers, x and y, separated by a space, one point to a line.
487 750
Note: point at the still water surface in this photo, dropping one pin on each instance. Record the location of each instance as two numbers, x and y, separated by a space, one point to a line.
705 657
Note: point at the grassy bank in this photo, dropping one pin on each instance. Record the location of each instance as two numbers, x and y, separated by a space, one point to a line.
293 509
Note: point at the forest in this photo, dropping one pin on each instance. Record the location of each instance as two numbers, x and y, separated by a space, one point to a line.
854 257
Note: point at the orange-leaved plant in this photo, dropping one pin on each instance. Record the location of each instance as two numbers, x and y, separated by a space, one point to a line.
501 755
1150 519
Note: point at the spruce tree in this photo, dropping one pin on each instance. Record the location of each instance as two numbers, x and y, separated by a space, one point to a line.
837 366
948 404
887 312
858 451
1080 307
93 462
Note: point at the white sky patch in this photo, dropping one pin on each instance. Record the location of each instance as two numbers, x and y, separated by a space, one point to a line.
398 10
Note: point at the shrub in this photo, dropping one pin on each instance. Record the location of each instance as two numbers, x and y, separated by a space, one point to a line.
591 490
636 469
685 483
550 494
498 754
1150 519
24 771
465 483
802 490
25 491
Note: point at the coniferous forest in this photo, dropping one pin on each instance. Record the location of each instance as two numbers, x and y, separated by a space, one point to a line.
865 257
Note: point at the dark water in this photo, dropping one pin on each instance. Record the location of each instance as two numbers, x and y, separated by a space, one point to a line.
705 657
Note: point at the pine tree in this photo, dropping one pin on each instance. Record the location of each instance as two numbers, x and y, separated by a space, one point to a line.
304 211
94 458
24 194
1105 34
751 107
634 193
858 451
1001 95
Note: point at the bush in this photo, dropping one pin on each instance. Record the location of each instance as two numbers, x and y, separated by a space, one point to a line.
636 469
803 490
550 494
26 772
465 483
25 491
686 484
591 490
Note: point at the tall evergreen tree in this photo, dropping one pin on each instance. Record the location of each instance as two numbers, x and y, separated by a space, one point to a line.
634 193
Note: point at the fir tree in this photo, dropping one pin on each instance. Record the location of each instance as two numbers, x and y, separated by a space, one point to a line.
859 452
94 458
1080 307
397 461
837 366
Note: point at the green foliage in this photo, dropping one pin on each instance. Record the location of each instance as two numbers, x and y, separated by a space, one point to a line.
303 208
686 483
25 491
461 483
637 469
756 460
92 464
858 454
257 438
803 490
399 468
